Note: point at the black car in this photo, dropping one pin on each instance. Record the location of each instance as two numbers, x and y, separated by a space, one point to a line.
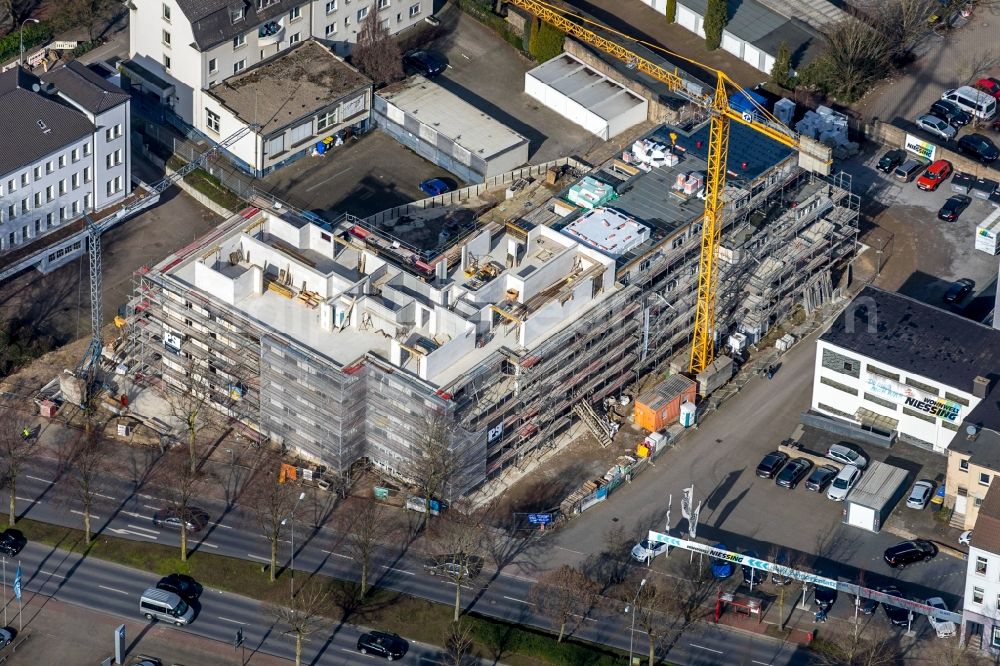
958 290
953 207
426 63
898 616
793 472
866 606
908 552
978 147
825 597
821 478
383 644
771 463
185 587
891 160
12 541
195 519
950 112
751 576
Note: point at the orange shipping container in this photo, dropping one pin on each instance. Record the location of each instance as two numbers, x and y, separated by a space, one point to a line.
661 405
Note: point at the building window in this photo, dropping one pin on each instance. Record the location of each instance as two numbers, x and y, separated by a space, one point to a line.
984 479
239 66
24 179
331 6
74 156
948 425
837 385
362 13
918 415
874 399
276 145
24 233
977 502
86 201
840 363
166 62
383 4
237 12
301 133
926 388
383 24
108 134
331 29
11 185
24 205
326 121
38 174
86 174
213 66
995 636
38 199
981 566
414 10
239 41
294 39
166 38
48 220
76 207
86 150
114 159
38 226
881 372
347 21
11 212
295 14
399 18
212 120
49 196
963 464
977 595
62 161
50 166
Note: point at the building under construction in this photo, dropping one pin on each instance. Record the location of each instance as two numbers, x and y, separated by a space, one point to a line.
509 309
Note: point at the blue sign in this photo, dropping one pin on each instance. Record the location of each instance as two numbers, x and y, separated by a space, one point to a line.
539 518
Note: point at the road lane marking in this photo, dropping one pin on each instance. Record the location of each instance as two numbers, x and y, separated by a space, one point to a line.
528 580
104 496
80 513
112 589
149 506
343 557
520 601
227 527
258 557
118 530
588 619
49 573
402 571
762 663
707 649
138 515
571 550
35 478
226 619
205 543
28 499
144 529
321 184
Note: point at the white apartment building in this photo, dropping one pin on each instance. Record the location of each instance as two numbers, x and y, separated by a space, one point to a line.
981 611
179 49
65 153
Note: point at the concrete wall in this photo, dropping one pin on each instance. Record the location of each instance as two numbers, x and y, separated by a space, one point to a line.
894 137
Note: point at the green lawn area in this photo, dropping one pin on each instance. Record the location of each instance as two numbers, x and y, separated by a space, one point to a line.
414 618
208 185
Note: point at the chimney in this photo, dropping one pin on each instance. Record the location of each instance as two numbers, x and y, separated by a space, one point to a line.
979 386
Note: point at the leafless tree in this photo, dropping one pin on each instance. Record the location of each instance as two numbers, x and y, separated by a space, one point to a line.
180 486
457 541
857 55
902 24
17 10
872 645
562 594
272 504
459 645
434 463
17 441
304 614
970 67
362 526
87 467
190 402
376 54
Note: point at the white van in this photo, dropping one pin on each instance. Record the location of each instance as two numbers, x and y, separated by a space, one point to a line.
162 605
980 104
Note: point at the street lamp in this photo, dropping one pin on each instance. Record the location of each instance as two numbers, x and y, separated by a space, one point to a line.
631 608
20 30
291 518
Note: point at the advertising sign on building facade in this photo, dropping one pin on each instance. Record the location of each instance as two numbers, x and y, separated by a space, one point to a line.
914 398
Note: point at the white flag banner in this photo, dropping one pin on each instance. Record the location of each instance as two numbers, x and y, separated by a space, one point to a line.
670 505
686 499
693 522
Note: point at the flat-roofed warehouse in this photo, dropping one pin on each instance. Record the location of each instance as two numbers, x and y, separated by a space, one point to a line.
448 131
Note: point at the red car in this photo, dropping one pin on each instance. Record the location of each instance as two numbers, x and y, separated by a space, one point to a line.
935 175
989 85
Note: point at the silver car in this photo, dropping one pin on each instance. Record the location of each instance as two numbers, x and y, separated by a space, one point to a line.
843 483
646 550
845 455
920 494
936 126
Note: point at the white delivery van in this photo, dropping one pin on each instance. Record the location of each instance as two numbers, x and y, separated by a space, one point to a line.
162 605
980 104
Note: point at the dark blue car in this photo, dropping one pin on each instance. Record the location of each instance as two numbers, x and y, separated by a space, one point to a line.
434 187
721 568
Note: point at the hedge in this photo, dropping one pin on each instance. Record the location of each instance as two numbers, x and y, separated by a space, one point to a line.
34 34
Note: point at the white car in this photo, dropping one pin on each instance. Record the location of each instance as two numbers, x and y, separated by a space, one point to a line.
646 550
944 628
843 483
965 538
845 455
920 494
936 126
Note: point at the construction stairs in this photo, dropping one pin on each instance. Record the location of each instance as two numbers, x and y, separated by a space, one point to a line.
598 426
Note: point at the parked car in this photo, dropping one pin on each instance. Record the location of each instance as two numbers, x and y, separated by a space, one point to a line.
434 186
935 174
821 477
426 63
647 550
988 85
383 644
965 538
771 463
950 112
907 170
908 552
751 576
920 494
934 125
12 541
194 518
891 160
978 147
183 586
721 569
943 628
865 605
953 207
845 455
146 660
455 565
843 482
825 597
897 615
776 578
6 636
958 290
793 472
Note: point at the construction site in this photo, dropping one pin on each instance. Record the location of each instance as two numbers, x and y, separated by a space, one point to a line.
509 311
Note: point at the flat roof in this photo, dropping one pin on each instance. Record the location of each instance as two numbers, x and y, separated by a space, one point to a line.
583 84
451 117
609 231
289 86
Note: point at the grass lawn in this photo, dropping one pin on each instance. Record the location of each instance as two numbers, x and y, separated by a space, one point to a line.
416 619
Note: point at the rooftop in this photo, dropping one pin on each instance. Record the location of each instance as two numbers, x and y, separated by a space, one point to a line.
296 83
983 451
586 86
988 522
607 230
451 117
212 21
35 124
85 88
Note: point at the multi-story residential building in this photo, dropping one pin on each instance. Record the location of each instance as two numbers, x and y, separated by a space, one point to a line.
65 153
981 612
180 49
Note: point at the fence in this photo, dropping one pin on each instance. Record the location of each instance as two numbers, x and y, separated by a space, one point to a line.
217 166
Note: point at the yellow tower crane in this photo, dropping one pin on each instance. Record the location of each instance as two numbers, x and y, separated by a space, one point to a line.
813 155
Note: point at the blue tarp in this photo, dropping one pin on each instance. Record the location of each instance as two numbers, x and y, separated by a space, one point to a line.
741 102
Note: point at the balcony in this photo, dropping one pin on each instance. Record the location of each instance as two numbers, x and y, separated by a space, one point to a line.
270 33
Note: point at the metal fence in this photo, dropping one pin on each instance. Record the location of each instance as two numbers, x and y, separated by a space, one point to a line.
230 176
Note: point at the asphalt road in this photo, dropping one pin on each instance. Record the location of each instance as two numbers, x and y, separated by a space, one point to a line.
500 594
